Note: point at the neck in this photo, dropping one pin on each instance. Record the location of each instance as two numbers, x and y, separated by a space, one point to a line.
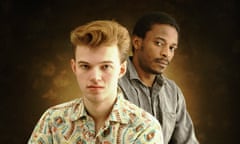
146 78
99 111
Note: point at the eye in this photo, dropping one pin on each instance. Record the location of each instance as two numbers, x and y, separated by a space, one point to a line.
159 43
173 48
106 67
84 66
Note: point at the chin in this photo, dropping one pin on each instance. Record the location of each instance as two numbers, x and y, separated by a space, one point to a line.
156 72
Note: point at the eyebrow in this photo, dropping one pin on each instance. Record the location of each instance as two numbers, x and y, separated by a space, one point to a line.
160 38
102 62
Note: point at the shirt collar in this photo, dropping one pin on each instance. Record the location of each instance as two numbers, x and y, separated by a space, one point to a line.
78 110
118 113
132 73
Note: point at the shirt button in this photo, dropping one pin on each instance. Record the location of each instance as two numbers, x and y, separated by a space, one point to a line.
106 132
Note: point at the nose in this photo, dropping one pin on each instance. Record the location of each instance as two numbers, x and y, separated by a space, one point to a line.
95 75
164 51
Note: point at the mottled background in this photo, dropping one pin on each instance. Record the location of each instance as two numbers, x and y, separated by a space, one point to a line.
35 51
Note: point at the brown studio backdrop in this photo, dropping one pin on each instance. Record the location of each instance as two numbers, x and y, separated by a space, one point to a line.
35 66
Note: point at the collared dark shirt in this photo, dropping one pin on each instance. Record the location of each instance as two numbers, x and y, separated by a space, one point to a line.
165 101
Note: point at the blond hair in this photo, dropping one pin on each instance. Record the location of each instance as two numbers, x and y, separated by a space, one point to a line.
102 33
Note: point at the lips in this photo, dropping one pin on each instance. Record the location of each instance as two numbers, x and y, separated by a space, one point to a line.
162 62
95 87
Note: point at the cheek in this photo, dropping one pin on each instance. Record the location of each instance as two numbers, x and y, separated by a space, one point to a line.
171 56
113 77
151 53
151 49
81 77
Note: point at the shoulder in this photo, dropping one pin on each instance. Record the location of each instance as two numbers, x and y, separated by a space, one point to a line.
137 126
173 92
64 106
170 86
63 110
169 82
142 124
138 115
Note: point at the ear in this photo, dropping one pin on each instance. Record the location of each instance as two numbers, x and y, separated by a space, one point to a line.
136 42
123 69
73 65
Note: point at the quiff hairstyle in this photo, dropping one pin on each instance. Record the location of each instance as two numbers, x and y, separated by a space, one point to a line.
102 33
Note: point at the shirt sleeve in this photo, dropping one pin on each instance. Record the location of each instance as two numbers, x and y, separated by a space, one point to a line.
151 135
42 131
184 130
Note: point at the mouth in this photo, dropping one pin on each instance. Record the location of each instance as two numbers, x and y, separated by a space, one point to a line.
162 62
95 87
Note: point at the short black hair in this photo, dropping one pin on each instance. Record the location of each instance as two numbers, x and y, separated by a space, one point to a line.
145 23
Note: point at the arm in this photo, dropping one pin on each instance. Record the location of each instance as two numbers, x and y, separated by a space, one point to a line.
151 135
184 129
42 131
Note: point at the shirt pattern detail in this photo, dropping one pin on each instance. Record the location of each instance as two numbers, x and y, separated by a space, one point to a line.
69 123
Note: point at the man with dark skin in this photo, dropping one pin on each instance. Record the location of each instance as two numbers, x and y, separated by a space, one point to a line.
154 41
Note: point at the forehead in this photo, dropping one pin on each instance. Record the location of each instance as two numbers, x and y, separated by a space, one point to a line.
163 31
97 54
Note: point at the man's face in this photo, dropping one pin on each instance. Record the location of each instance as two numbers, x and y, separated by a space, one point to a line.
156 50
97 71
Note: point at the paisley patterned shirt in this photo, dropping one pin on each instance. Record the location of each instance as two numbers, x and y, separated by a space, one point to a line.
69 123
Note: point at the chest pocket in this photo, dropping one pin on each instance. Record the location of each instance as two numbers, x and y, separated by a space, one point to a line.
168 106
168 124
